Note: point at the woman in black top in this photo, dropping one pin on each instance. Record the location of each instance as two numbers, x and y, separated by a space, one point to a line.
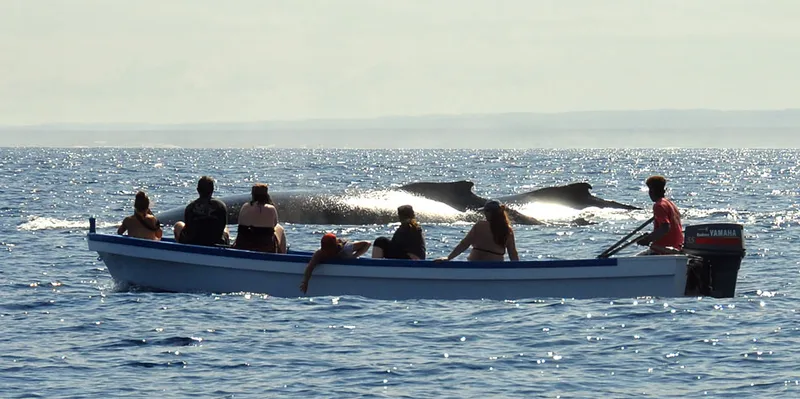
257 223
408 242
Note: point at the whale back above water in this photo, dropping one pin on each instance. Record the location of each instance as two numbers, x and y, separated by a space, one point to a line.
458 194
574 195
326 208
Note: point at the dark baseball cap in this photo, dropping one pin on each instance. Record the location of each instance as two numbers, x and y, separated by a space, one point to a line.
491 205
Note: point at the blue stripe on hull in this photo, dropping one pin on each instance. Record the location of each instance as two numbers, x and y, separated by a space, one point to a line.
303 257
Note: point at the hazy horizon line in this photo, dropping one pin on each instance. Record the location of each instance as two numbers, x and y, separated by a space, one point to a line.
174 147
404 116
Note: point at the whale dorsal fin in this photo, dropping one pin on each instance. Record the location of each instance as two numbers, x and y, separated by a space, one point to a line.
574 195
457 194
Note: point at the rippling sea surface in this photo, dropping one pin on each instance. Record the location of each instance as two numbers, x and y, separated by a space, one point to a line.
68 332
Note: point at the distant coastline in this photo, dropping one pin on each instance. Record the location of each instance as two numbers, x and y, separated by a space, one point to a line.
646 128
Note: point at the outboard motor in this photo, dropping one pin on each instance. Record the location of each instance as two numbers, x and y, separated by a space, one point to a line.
716 252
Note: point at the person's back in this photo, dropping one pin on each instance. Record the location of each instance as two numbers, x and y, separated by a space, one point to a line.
488 238
664 209
258 215
258 220
205 219
409 239
484 248
142 224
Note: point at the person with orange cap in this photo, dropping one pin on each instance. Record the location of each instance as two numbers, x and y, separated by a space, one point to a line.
332 247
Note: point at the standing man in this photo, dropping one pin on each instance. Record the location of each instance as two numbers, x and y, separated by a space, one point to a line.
205 220
667 228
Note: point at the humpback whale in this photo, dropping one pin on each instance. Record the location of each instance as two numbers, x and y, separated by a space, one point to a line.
575 195
319 208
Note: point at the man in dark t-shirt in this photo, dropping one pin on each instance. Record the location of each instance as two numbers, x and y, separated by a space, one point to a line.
205 220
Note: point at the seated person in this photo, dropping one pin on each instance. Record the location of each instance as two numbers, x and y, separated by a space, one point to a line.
142 224
408 241
205 220
667 235
257 222
489 238
332 248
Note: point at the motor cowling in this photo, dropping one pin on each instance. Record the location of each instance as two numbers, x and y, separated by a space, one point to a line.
717 250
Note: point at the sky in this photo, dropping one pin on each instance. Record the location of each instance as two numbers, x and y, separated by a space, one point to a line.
198 61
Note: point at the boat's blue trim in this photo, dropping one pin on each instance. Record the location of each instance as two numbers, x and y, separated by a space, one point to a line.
303 257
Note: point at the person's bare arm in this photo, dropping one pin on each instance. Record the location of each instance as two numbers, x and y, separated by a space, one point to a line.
274 214
511 247
360 248
461 247
222 216
122 228
312 264
159 232
662 230
281 232
243 214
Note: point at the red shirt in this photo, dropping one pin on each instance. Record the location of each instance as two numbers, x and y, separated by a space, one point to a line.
664 211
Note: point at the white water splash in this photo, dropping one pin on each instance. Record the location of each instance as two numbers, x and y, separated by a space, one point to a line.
552 212
547 211
45 223
425 209
430 211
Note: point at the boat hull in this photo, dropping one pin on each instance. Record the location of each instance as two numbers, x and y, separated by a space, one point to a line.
168 266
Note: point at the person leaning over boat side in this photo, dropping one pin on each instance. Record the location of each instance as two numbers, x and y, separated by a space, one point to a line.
142 224
332 248
205 220
408 241
489 238
667 229
257 221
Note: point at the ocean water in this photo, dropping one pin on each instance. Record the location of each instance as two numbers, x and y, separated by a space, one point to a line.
66 331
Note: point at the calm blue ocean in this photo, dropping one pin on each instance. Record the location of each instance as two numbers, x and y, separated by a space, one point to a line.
66 332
